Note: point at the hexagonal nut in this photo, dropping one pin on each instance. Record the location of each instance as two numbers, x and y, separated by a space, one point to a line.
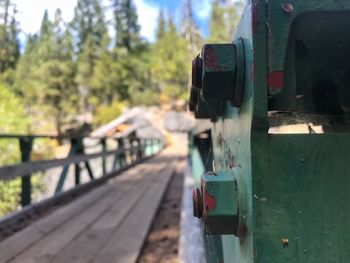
219 72
220 207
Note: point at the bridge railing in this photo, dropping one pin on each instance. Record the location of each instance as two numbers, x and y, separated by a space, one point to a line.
129 151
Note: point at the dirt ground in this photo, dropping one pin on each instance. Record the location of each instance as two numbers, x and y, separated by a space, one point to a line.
161 244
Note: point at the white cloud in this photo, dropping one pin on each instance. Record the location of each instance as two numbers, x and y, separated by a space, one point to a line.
202 8
30 12
148 15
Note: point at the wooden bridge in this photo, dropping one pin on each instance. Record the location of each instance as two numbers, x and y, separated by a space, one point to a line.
103 220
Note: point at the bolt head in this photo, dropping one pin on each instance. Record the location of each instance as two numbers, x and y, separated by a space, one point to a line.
219 72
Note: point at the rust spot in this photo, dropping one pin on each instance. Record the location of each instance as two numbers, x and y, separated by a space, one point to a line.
209 201
210 59
275 80
254 19
232 163
287 7
285 242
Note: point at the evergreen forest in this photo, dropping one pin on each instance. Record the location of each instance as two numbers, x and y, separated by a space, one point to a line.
92 67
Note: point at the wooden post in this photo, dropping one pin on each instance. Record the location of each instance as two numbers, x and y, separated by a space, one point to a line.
26 145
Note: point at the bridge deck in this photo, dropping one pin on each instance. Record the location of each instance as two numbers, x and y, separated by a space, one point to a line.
108 224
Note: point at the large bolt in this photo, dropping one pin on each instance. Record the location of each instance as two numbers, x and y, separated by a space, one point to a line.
196 103
224 203
223 73
219 72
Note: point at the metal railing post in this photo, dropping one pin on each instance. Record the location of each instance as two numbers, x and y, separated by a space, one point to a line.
26 145
122 157
78 144
104 149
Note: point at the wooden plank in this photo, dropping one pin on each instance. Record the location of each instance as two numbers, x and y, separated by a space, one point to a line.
57 232
94 238
47 247
20 241
20 170
127 241
9 221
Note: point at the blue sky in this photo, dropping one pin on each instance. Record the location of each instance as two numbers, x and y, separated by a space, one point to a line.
31 12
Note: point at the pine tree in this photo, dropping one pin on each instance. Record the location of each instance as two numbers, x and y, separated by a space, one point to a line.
9 44
46 26
170 63
189 29
106 76
25 82
217 27
46 72
85 69
190 32
88 22
89 28
223 20
161 28
126 25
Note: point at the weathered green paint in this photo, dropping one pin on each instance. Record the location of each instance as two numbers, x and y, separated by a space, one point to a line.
80 150
302 193
280 21
231 144
297 184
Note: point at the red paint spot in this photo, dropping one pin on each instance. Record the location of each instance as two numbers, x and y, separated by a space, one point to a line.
232 164
254 19
275 80
252 71
210 57
209 202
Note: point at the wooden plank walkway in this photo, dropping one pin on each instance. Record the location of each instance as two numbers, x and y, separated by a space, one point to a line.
108 224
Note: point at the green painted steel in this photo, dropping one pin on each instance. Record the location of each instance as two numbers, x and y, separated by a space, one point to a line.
26 145
104 149
295 189
63 175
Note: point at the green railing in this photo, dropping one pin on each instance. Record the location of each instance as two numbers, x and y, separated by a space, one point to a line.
128 151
